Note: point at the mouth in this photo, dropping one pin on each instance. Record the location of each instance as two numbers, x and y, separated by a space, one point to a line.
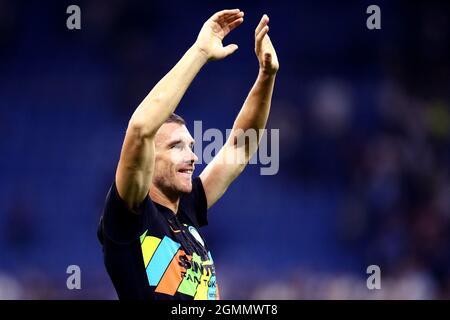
186 173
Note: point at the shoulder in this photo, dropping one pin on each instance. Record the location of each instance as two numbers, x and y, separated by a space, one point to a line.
120 223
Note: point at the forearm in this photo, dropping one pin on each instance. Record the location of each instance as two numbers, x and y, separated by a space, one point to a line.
163 99
256 108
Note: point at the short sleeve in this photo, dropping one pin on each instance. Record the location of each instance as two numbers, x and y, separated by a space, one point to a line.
194 204
119 223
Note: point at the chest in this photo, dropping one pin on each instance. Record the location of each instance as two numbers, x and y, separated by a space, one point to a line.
176 259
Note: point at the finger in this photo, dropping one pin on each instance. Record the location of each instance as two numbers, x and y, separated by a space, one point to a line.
266 42
233 17
229 49
262 23
260 37
221 15
235 23
268 47
231 20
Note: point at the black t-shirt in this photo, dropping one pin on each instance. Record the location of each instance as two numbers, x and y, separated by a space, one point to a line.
155 254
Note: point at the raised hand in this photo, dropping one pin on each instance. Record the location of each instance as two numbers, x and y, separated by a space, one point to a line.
214 30
267 57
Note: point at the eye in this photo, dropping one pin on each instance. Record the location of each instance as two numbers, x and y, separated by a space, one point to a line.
178 145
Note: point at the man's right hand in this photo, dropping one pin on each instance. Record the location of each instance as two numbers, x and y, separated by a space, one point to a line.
214 30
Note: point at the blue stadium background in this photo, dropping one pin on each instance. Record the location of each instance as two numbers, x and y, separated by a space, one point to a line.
364 125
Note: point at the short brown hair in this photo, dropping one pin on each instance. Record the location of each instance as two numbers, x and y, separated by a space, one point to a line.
174 118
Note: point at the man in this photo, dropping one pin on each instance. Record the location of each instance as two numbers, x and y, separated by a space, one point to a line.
149 227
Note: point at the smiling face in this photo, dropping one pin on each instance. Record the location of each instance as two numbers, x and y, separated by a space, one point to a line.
174 159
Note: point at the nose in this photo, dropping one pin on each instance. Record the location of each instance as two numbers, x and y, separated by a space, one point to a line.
194 157
189 156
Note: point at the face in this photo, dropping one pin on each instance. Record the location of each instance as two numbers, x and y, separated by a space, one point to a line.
174 159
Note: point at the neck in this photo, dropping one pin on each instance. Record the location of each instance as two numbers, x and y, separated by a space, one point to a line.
166 199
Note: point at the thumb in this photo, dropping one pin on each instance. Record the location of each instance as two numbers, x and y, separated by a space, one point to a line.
229 49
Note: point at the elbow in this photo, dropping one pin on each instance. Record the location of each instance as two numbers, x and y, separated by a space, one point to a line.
146 120
140 128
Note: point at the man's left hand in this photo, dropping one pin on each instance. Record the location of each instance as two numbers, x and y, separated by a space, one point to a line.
268 60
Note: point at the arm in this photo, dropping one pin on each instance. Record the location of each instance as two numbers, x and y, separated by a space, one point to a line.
237 151
135 168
